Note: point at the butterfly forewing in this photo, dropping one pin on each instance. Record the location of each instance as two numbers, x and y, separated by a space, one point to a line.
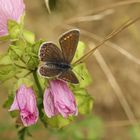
69 76
49 52
48 71
68 42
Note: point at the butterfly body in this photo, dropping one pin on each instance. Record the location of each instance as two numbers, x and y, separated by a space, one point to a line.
57 62
62 66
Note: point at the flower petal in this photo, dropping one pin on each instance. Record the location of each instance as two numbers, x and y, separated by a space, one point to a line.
10 9
25 101
14 106
64 100
48 103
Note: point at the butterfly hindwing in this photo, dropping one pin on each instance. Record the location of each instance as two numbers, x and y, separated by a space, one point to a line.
48 72
49 52
68 42
69 76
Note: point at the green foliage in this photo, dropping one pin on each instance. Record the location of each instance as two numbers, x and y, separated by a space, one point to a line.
31 55
80 50
5 59
7 72
23 132
84 101
83 75
29 36
25 81
4 38
81 70
9 101
15 52
134 132
14 29
22 57
90 128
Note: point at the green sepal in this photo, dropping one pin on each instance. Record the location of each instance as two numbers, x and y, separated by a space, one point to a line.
23 81
58 121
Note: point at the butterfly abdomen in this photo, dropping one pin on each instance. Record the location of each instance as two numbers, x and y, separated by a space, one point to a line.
62 66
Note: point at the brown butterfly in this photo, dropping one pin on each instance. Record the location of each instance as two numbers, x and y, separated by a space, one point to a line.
57 63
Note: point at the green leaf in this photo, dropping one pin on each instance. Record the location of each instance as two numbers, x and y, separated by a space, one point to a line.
14 29
5 59
9 101
29 36
31 58
32 62
58 121
83 75
23 132
36 46
90 128
84 101
81 70
7 72
43 81
15 52
4 38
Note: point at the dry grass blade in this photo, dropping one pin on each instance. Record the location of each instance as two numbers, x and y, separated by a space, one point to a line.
47 5
101 9
111 35
114 46
110 44
113 5
116 87
96 17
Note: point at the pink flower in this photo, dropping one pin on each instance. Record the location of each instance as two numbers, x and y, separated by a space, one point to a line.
25 102
10 9
58 99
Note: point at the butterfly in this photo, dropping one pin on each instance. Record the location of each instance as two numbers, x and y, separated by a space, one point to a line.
57 62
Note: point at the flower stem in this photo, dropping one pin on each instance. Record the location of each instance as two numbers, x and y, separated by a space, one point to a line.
38 84
40 98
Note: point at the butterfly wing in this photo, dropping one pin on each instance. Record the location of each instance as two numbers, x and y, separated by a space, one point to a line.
69 76
49 52
68 42
48 71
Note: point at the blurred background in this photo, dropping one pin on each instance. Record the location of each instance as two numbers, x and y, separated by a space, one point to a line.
114 68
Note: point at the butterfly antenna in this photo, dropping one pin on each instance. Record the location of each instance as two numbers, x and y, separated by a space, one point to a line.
112 34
